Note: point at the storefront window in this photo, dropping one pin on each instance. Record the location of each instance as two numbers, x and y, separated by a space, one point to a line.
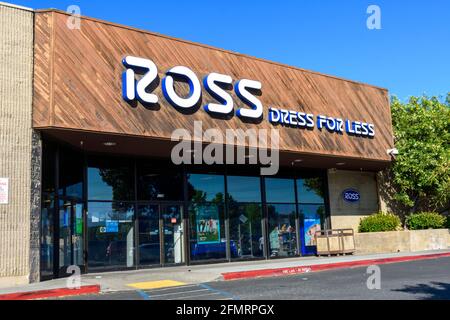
71 166
311 190
246 240
158 182
311 208
207 234
282 230
280 190
244 189
245 213
110 235
110 180
149 242
312 216
207 216
47 234
206 187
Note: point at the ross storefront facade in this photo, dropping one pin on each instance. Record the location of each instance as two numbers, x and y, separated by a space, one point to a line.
106 195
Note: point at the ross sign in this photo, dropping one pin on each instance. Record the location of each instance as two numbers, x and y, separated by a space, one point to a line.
133 89
208 224
4 190
215 84
351 196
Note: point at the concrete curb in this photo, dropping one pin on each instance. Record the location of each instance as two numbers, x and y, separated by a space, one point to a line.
42 294
323 267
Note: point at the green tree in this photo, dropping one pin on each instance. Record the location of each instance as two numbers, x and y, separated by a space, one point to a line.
421 171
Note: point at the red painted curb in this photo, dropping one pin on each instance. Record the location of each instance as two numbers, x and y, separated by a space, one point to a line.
42 294
322 267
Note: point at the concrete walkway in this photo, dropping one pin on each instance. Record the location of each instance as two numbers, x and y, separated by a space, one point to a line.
173 276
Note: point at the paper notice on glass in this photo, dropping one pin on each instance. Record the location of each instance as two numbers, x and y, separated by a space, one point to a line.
4 190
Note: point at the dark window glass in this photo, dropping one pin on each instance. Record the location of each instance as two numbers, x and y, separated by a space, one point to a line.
207 231
206 187
244 189
282 230
246 240
110 180
110 235
311 190
156 182
280 190
47 235
71 166
149 243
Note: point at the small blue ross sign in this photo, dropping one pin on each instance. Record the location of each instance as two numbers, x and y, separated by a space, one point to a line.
351 195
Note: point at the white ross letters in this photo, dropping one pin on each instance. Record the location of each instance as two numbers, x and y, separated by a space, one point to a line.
194 85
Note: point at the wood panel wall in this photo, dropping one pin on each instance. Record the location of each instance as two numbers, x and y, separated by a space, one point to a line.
78 85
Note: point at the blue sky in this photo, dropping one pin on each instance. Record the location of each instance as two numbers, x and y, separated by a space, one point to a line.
410 55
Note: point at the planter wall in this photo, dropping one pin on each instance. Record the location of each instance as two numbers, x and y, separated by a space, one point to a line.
402 241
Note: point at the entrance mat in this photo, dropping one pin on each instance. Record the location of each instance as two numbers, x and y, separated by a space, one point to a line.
156 284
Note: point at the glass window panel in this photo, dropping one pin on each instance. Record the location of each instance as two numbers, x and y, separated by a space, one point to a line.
244 189
47 236
158 183
282 230
246 240
71 166
205 187
149 243
110 235
173 234
280 190
311 190
65 234
207 231
110 181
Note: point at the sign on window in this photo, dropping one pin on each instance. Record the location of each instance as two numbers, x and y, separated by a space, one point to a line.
4 190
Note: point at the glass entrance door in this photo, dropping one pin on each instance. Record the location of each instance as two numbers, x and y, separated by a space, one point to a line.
161 234
149 235
71 236
173 234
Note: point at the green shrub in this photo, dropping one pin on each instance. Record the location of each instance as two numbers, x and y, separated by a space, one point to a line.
448 222
425 220
380 222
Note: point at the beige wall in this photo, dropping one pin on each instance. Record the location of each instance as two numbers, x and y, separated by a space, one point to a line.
348 215
16 57
402 241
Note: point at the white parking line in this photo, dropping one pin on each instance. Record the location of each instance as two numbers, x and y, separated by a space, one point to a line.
196 296
176 293
171 288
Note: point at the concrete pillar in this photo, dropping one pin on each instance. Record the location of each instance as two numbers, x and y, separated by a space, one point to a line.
16 140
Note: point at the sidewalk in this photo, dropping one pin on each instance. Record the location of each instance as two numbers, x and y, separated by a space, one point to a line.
176 276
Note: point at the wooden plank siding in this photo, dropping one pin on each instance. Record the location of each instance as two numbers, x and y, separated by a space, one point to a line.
78 86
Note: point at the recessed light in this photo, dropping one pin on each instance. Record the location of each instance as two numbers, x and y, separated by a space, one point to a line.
109 144
298 160
340 164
